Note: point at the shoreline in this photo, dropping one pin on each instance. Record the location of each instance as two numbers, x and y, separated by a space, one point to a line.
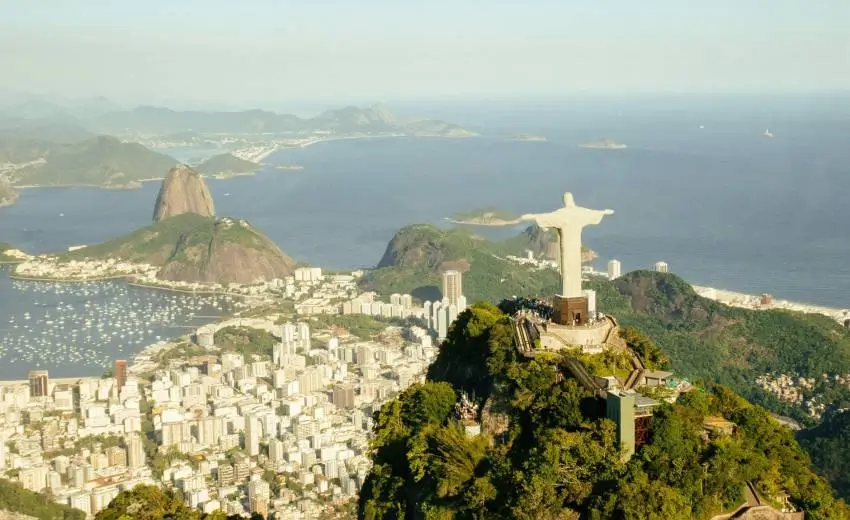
753 302
500 223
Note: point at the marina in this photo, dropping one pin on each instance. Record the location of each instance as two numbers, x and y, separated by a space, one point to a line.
76 330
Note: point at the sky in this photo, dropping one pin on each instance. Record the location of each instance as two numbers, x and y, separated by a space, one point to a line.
260 53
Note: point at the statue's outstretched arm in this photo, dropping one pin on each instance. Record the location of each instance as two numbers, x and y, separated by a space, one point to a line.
542 220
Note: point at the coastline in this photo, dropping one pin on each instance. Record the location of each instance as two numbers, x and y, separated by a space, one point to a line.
499 223
751 301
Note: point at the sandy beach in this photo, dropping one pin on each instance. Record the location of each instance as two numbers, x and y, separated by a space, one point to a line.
749 301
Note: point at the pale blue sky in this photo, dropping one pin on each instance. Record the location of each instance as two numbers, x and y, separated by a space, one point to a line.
260 52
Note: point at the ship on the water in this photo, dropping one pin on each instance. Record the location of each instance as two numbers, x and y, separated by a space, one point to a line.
603 144
768 133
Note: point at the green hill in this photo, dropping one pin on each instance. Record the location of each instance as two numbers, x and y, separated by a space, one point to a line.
16 499
413 258
226 164
547 451
827 443
102 161
721 344
192 248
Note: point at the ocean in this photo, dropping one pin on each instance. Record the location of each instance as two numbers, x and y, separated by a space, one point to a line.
699 187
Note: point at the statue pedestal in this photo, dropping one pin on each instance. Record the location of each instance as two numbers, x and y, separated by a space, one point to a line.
570 311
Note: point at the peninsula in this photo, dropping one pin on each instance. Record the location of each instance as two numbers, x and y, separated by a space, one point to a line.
484 217
186 247
603 144
226 165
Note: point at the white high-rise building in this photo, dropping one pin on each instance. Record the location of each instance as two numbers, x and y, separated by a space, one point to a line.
276 450
427 311
590 294
304 336
289 332
259 489
442 321
2 453
452 285
436 310
406 301
661 267
252 435
614 269
461 303
451 314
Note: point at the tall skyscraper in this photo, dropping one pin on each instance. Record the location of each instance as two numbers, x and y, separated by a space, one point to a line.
135 451
38 383
289 332
662 267
120 373
304 336
452 285
252 435
614 269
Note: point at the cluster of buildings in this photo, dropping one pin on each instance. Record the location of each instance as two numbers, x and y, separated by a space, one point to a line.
799 390
215 426
615 268
79 439
529 259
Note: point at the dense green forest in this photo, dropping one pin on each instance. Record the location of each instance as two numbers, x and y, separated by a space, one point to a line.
829 446
16 499
709 341
545 452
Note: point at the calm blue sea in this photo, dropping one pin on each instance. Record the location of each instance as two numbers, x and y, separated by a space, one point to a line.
699 187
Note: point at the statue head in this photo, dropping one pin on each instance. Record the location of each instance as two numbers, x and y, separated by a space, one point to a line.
569 202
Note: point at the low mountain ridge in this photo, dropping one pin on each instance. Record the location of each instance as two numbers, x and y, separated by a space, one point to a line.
183 191
717 343
100 161
226 163
147 120
414 256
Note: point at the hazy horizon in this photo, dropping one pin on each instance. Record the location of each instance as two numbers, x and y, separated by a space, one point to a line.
280 54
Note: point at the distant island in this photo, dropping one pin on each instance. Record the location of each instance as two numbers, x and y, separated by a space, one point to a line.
527 137
603 144
225 166
484 217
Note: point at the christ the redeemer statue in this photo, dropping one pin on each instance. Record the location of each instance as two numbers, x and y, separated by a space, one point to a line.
569 222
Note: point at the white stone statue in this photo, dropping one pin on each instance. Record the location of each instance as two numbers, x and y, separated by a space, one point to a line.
569 222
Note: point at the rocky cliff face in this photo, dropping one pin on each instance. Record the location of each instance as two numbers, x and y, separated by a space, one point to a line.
183 191
226 251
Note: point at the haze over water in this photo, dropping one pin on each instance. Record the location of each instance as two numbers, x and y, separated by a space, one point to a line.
723 205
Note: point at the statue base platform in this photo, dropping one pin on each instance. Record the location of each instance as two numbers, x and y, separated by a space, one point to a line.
570 310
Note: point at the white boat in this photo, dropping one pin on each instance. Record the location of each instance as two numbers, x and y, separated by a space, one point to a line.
768 133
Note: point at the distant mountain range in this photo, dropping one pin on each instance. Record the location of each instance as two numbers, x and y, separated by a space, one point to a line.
102 118
44 144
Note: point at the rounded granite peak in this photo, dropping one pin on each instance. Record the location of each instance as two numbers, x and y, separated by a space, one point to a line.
183 191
